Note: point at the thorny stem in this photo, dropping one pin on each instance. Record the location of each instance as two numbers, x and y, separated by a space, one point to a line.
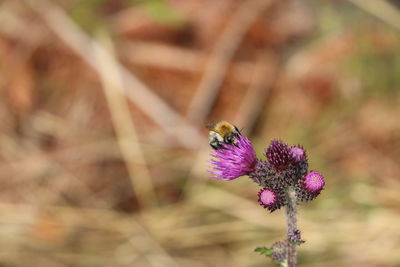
291 210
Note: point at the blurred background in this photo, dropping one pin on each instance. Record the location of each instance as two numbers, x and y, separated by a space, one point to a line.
103 149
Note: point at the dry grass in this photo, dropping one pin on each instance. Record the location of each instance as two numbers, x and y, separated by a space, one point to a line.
103 155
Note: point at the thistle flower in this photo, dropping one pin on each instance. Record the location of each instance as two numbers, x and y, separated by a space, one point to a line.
233 160
314 182
269 199
310 186
284 179
299 164
278 154
297 153
286 167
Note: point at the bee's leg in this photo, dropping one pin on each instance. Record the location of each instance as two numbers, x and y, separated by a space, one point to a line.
217 146
237 135
220 146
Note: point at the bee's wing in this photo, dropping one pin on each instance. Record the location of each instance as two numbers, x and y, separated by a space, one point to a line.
211 125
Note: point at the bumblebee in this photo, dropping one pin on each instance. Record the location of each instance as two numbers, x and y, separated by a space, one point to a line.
222 133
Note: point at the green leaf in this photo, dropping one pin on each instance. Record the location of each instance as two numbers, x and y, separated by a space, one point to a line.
163 13
264 250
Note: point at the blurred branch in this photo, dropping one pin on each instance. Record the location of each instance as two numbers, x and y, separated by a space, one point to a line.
162 55
177 58
381 9
245 15
260 84
136 91
153 258
245 209
125 130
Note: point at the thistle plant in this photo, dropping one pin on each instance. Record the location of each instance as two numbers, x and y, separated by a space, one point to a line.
284 179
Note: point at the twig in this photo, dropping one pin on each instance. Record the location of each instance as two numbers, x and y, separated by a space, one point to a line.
381 9
221 56
163 55
262 80
177 59
125 130
156 246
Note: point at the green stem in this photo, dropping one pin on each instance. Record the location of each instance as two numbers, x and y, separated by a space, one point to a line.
291 212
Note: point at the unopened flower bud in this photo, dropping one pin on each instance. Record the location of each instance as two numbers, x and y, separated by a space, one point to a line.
298 154
278 154
279 251
270 199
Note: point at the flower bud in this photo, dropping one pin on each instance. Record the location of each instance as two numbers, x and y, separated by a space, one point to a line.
270 199
278 154
298 154
279 251
314 182
310 186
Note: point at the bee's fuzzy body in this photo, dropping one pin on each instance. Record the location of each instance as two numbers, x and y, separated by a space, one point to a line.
222 133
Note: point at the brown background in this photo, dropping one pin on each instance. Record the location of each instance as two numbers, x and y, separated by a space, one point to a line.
103 150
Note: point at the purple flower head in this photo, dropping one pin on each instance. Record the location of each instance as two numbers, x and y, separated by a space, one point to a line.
233 160
270 199
278 154
297 153
314 182
266 197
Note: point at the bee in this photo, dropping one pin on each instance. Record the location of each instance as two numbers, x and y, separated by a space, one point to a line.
222 133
